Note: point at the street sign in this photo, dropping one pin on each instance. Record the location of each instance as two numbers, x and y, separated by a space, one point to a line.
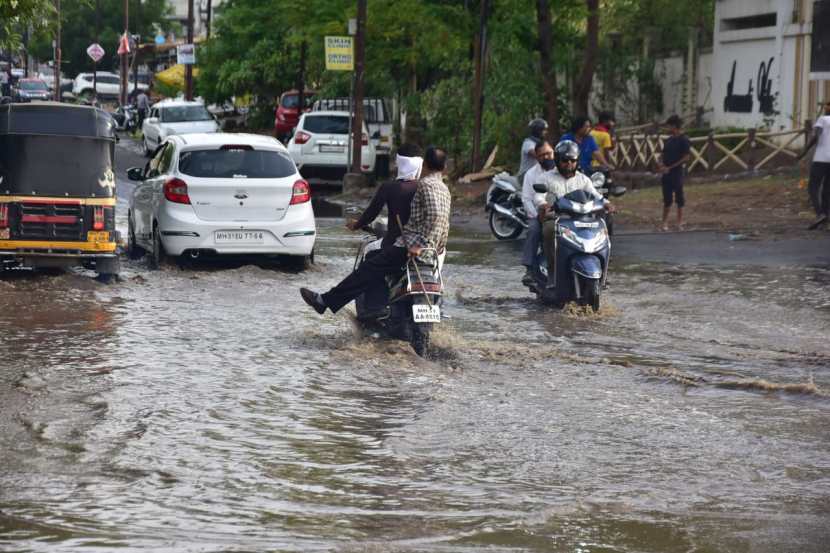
95 51
186 54
339 53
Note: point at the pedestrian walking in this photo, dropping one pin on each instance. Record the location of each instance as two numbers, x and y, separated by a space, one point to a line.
676 152
4 83
142 104
819 185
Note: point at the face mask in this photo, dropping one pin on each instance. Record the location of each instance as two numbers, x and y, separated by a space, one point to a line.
547 164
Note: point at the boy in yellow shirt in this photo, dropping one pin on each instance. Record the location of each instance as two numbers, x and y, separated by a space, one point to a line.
603 134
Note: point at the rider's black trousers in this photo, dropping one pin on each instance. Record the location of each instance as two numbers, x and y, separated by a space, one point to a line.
373 269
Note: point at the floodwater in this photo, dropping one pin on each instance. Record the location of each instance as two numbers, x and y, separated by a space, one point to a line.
208 409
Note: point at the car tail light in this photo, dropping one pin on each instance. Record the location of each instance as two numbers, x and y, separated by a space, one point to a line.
175 190
98 218
365 141
4 215
301 137
301 193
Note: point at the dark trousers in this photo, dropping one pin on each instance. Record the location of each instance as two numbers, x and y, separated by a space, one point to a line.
819 187
387 261
673 189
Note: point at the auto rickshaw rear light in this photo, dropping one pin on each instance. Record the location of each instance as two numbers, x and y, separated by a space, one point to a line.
98 218
175 190
301 137
4 215
301 192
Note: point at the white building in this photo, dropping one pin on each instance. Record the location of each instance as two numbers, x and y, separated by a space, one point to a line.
771 62
200 14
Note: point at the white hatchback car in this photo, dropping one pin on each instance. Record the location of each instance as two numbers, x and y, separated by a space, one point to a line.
319 146
207 194
170 117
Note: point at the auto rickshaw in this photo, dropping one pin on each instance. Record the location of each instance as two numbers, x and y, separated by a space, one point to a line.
57 187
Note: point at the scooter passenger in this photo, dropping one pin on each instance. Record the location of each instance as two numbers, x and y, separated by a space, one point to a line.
565 179
537 128
541 172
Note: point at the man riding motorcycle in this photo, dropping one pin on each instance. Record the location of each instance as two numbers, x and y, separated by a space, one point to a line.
537 128
565 179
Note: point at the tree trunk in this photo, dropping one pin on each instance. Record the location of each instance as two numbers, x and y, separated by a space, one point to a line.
546 67
582 88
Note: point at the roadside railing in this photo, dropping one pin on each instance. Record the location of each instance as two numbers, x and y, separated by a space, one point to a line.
747 151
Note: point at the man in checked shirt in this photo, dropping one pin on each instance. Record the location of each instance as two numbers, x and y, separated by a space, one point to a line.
428 226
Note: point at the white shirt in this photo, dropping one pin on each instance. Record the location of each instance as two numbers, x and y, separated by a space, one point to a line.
559 186
822 153
530 198
528 157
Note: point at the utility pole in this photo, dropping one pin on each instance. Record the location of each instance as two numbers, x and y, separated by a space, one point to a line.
359 54
188 68
478 83
97 41
137 44
58 54
124 69
301 80
209 15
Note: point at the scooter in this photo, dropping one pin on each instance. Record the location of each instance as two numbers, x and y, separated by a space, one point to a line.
504 203
604 183
583 250
410 304
126 118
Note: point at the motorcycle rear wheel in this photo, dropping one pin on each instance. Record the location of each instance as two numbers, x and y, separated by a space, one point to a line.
420 338
503 227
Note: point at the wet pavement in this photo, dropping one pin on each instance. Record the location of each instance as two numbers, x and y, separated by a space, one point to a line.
207 409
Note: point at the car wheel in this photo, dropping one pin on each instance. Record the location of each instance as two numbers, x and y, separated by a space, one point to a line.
134 251
300 262
147 151
157 256
87 95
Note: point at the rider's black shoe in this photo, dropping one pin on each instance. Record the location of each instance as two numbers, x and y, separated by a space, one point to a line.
313 299
528 279
822 219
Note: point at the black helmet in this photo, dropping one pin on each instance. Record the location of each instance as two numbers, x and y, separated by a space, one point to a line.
567 149
537 127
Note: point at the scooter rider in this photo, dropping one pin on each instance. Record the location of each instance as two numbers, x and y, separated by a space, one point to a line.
542 172
565 179
537 127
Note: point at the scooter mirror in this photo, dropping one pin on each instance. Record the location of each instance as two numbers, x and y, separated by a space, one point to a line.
135 173
540 187
618 190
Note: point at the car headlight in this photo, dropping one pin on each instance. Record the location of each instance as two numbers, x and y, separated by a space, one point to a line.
598 179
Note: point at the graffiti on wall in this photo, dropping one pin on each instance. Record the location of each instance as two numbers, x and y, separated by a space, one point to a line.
744 103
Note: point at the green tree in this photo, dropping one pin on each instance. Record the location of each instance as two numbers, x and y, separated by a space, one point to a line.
17 15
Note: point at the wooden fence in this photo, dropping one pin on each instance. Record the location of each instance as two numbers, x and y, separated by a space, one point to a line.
749 151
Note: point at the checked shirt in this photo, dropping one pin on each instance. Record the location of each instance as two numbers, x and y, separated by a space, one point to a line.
429 220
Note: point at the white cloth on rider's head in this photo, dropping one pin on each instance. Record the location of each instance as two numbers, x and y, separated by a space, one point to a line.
559 186
409 168
530 198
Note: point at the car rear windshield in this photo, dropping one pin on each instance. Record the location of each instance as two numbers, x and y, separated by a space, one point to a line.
331 124
181 114
33 85
291 101
236 163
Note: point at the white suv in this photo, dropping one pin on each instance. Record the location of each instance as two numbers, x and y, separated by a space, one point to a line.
109 85
320 143
170 117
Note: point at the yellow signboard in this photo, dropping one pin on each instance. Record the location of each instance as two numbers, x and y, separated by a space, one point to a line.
339 53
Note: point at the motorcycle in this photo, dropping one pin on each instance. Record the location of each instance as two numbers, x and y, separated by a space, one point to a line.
504 203
408 307
604 183
583 250
126 118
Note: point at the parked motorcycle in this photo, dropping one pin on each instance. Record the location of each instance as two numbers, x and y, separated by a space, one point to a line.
410 304
126 118
583 249
504 203
604 183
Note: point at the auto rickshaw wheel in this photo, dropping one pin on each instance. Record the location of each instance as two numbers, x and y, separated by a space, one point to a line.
107 269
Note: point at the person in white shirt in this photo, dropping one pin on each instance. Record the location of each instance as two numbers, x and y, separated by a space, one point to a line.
537 128
541 172
565 179
819 187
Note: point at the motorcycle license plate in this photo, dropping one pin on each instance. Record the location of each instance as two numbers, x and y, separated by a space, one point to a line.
426 313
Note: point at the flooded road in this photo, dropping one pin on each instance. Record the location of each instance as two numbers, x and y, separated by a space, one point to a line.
208 409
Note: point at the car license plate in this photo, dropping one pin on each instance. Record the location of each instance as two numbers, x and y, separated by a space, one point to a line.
426 313
331 149
97 236
239 237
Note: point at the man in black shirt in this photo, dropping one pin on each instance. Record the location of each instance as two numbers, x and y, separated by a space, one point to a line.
676 151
